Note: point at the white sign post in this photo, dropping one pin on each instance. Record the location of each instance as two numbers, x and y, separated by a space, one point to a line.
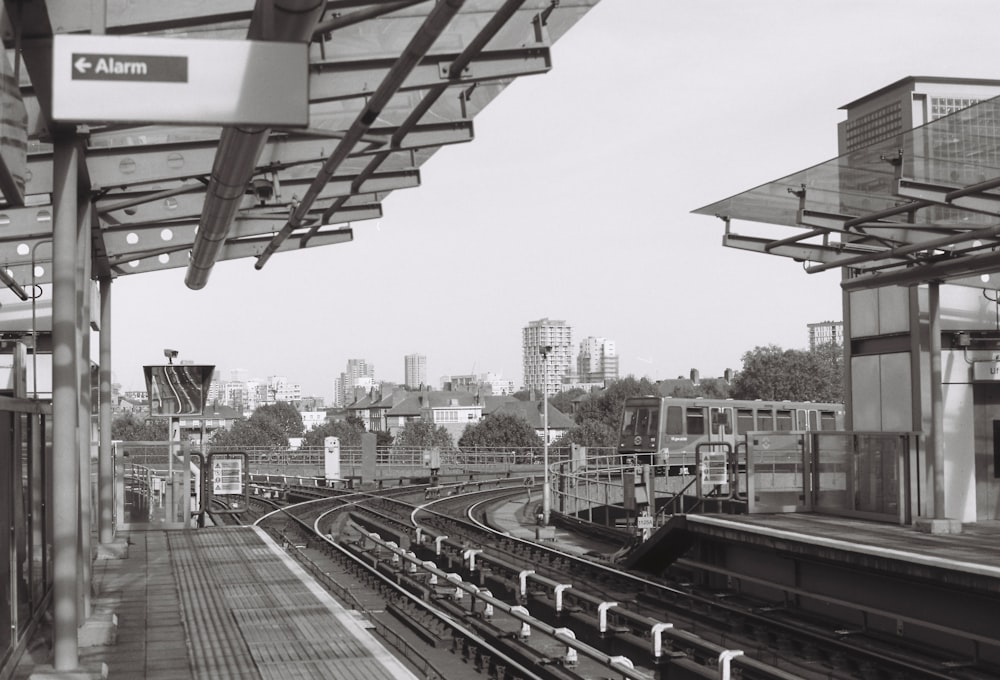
102 78
331 458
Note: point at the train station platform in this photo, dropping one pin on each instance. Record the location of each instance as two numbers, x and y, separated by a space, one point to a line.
970 558
218 603
518 518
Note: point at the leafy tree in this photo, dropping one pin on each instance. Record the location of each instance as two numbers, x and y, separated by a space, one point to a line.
500 430
563 401
590 433
282 416
250 433
383 439
130 428
799 375
347 431
420 434
606 406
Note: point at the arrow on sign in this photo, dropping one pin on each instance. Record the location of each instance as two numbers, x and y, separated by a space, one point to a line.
82 65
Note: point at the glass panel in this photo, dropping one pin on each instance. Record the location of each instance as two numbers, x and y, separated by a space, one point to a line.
832 471
642 421
783 421
695 420
776 473
6 520
765 421
722 420
628 420
950 152
22 531
675 422
35 439
828 420
156 485
744 421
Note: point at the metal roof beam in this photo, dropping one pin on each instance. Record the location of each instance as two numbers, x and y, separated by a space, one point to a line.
432 27
969 265
454 72
798 252
973 197
239 148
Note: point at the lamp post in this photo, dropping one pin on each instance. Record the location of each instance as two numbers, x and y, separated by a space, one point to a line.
546 491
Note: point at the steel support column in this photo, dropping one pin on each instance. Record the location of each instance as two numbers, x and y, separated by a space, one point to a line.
937 406
105 461
65 404
84 420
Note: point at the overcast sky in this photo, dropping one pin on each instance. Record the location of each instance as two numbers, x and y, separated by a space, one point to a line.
574 202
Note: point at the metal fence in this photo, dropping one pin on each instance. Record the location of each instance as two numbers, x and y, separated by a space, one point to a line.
868 475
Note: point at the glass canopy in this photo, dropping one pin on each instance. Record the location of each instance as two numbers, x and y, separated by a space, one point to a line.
921 206
389 84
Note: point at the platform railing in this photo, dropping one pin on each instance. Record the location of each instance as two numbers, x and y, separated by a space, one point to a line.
868 475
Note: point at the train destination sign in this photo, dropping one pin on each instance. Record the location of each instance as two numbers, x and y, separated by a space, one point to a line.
128 79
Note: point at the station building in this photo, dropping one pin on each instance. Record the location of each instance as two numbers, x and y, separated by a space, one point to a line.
908 213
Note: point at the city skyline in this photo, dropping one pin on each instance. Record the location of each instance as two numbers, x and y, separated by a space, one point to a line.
574 201
360 367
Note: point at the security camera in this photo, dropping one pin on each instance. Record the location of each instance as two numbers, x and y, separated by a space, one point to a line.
170 354
263 189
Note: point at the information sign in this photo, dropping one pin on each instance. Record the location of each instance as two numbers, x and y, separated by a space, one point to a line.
227 476
107 78
713 468
986 371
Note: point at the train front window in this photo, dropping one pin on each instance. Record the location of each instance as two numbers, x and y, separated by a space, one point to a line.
628 420
644 420
695 420
828 420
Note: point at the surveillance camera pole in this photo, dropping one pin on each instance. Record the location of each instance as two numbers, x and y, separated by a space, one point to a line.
546 491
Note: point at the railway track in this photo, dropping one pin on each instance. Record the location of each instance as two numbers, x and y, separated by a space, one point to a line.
499 603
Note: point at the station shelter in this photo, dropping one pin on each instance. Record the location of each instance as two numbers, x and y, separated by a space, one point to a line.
910 215
142 135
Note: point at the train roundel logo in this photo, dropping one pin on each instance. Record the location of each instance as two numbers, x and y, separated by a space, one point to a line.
638 441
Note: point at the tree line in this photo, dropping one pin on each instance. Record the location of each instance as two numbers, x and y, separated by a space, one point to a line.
768 372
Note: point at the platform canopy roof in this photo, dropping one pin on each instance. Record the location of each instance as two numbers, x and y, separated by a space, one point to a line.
921 206
389 84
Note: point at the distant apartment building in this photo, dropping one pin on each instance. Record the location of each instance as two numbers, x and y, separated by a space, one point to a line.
826 333
359 374
547 348
312 419
280 389
906 104
597 362
497 385
459 383
414 371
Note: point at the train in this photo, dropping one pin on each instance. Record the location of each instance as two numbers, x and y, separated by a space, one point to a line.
666 431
